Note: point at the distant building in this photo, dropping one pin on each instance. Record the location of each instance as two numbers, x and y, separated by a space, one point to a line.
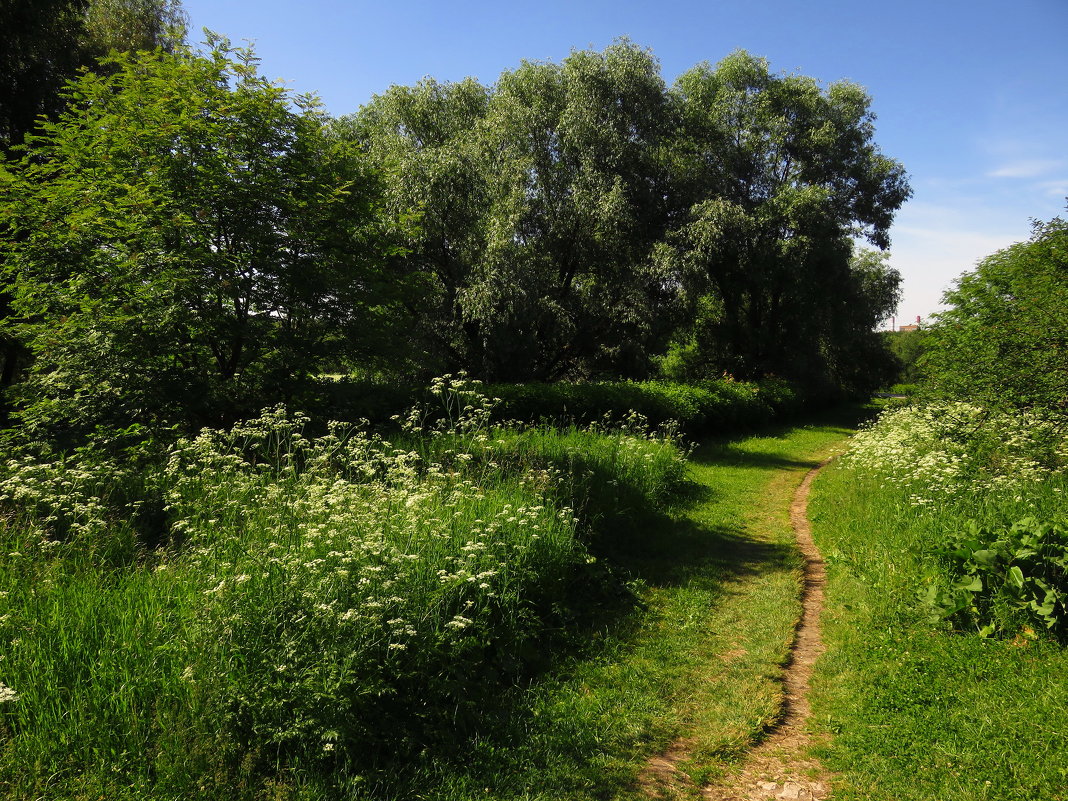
911 327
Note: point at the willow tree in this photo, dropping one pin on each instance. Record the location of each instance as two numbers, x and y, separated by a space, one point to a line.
541 199
427 139
569 283
775 176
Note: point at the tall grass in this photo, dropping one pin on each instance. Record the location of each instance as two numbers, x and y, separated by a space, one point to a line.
923 701
300 606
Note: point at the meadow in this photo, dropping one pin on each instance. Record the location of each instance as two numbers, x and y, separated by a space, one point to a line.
945 534
471 608
247 554
264 603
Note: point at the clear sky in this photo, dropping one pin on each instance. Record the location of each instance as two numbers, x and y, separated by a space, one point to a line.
970 95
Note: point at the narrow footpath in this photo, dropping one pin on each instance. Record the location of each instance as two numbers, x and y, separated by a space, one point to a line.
773 760
779 768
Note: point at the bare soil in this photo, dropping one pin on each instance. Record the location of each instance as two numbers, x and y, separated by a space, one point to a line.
780 766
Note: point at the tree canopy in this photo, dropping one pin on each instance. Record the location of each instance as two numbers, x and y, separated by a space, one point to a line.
578 215
1003 341
774 178
187 245
541 198
44 42
188 240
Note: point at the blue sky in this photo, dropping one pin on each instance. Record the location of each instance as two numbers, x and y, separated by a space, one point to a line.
971 95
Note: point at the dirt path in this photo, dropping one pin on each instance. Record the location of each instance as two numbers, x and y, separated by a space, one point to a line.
778 768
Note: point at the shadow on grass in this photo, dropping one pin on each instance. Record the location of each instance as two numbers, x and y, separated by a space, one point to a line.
728 455
671 551
506 742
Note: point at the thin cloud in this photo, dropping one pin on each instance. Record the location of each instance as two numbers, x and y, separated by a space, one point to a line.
934 243
1055 188
1027 168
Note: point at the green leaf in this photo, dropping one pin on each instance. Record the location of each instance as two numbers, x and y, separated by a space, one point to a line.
971 583
1015 577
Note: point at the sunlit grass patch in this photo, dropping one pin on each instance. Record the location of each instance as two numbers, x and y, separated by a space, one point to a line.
922 707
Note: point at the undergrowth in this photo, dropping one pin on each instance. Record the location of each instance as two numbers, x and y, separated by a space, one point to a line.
944 674
267 607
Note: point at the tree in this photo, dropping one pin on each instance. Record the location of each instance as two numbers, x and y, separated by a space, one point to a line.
44 42
857 358
570 282
907 347
774 177
426 138
1003 341
188 247
542 200
127 25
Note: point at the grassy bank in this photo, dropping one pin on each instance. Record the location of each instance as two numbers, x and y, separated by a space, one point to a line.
922 706
696 667
467 611
265 610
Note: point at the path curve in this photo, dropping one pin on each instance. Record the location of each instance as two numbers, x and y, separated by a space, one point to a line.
779 768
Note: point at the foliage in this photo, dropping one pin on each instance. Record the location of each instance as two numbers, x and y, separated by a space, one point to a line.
907 348
187 246
128 25
615 471
542 198
708 407
46 41
994 576
577 214
939 451
1002 579
698 409
364 587
912 711
316 606
773 176
1002 341
427 139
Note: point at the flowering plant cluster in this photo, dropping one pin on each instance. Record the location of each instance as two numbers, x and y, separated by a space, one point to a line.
1006 572
341 570
953 449
307 592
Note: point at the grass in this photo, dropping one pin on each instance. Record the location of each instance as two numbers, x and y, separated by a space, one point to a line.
700 663
919 711
321 610
338 618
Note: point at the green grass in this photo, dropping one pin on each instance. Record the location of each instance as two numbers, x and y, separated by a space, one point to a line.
719 583
321 609
247 658
918 711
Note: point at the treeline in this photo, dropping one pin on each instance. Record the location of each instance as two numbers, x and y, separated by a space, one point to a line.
186 242
1001 341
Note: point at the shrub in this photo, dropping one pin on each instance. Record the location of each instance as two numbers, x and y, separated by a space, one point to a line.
699 409
1001 341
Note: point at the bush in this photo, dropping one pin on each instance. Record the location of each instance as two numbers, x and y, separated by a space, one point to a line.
699 409
1001 342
